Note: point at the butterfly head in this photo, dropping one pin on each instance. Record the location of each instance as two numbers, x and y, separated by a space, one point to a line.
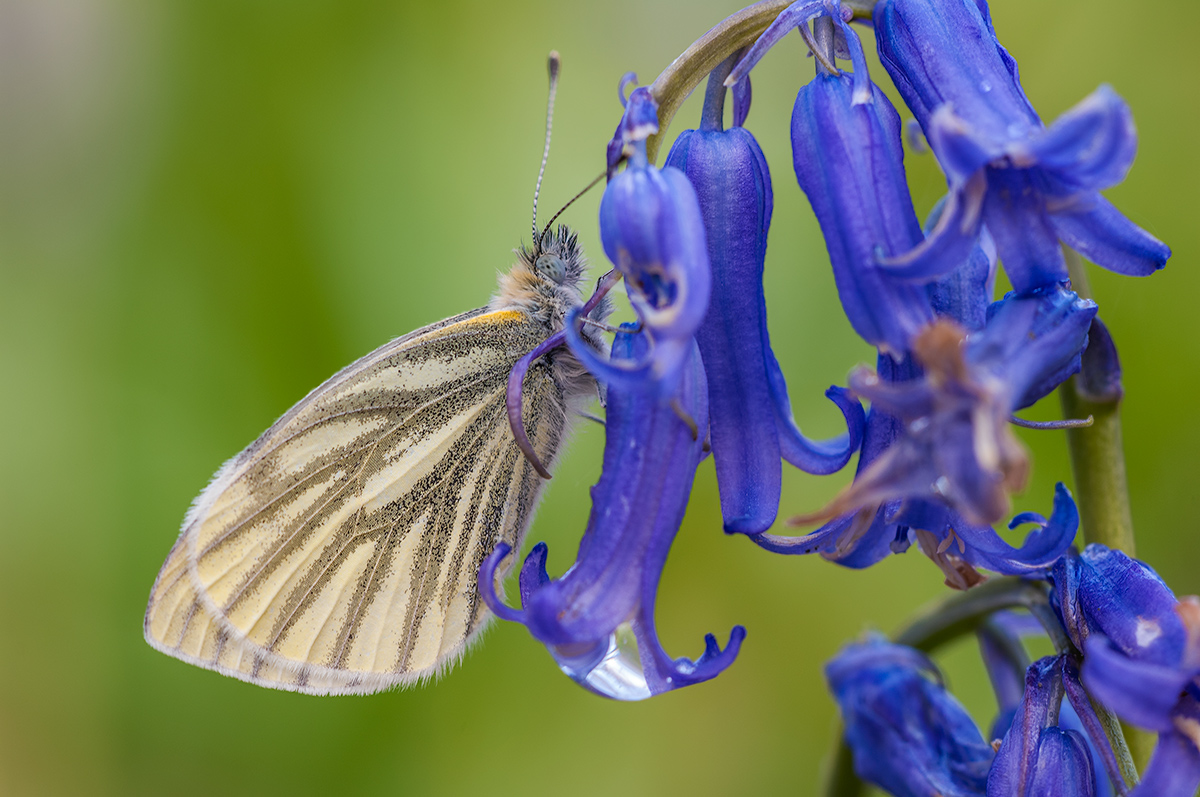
546 280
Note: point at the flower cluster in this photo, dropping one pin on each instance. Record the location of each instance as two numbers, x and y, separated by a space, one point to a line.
1125 644
937 459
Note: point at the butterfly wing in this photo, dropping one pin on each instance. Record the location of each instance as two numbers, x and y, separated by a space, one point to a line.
339 552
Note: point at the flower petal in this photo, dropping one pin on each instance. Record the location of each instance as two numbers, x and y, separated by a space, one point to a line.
733 186
945 52
1014 211
819 457
1139 692
954 238
1089 147
849 163
1064 767
1042 547
1016 761
1092 226
908 735
1174 768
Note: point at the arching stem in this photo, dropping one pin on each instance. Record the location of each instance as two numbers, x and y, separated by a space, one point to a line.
728 36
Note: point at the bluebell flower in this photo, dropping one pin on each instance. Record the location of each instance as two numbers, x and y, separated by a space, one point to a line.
849 162
652 231
938 458
908 735
751 423
597 620
1038 757
1030 185
1141 654
956 446
863 537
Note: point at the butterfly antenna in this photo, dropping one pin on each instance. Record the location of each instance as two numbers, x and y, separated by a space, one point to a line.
553 64
571 201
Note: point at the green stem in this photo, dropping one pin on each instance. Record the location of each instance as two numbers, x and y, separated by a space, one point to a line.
694 64
840 779
963 612
1097 454
1101 486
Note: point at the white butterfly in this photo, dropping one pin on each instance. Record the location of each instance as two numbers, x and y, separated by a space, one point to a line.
340 552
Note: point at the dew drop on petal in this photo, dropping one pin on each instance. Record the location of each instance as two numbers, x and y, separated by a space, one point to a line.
612 668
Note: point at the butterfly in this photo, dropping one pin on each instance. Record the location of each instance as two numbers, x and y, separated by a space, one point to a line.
339 552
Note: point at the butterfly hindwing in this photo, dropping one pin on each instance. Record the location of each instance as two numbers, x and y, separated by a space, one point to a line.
339 552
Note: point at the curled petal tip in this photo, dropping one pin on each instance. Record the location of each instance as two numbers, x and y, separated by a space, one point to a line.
487 584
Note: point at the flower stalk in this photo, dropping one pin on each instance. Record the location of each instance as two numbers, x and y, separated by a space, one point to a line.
1101 486
1097 453
675 83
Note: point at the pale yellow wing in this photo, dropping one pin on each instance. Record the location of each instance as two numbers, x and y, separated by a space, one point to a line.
339 552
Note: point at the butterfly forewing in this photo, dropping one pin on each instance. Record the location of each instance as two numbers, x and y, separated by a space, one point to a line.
339 552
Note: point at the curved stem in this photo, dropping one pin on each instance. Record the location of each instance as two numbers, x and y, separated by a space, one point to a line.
677 81
693 65
963 612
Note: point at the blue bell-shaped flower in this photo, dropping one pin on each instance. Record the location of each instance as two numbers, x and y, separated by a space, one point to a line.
751 418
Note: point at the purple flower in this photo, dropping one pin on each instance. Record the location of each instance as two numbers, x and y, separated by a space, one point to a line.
1031 186
862 537
597 620
908 735
1141 655
849 162
938 459
651 229
956 446
751 424
1038 757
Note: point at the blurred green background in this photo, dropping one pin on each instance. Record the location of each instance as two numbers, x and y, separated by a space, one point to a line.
208 207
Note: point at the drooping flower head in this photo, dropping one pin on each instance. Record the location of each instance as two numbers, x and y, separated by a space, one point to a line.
597 620
751 419
652 231
938 459
908 734
956 446
1030 185
849 163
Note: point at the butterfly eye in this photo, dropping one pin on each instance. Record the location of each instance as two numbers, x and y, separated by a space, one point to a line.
552 268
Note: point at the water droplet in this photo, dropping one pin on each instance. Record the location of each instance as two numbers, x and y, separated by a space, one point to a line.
612 668
984 86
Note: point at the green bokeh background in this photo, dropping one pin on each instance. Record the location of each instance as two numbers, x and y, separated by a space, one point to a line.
207 207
